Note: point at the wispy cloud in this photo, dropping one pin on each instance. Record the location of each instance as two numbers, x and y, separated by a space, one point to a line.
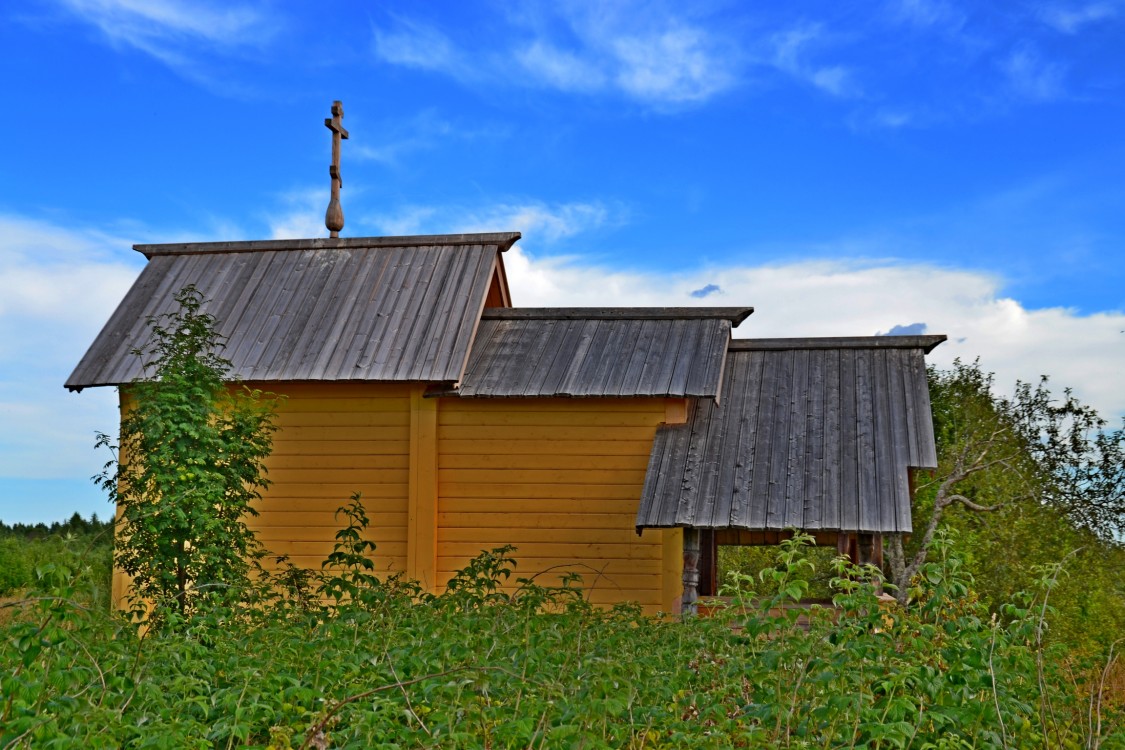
928 14
180 34
675 65
417 45
651 56
537 220
913 63
889 118
549 222
1031 76
792 51
300 216
1069 18
409 220
398 137
60 287
561 69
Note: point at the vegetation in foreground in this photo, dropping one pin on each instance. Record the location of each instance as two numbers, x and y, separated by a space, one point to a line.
338 659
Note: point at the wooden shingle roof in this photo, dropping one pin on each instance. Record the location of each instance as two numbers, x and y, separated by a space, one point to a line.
371 309
586 352
816 434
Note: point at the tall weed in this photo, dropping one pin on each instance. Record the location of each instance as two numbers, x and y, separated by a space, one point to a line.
481 666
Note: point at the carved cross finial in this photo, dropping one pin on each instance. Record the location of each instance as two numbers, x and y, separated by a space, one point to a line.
334 217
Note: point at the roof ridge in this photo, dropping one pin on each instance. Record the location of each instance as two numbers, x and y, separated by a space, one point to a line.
926 343
734 314
503 241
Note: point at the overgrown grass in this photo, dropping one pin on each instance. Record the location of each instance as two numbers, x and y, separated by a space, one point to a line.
336 658
85 547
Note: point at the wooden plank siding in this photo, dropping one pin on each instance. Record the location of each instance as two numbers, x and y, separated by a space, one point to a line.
443 479
560 480
335 439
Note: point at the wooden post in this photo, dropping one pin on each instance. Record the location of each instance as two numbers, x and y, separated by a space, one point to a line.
421 537
334 216
708 563
672 569
692 549
870 550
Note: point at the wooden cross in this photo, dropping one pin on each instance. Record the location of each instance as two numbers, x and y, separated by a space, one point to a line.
334 217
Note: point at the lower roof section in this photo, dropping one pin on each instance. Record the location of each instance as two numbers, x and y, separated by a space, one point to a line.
599 352
816 434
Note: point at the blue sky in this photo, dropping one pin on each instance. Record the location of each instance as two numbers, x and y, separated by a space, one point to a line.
848 169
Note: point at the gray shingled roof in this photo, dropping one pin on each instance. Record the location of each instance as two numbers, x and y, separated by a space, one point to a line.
600 352
816 434
373 309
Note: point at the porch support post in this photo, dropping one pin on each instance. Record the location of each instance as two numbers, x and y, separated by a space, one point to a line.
692 550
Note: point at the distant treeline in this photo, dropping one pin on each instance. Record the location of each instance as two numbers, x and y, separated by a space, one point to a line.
76 525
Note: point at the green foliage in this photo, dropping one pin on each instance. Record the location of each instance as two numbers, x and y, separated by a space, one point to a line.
1052 475
478 667
1057 452
77 544
190 463
354 571
755 561
1080 463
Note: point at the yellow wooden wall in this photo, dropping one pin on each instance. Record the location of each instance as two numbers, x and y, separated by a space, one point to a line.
443 479
560 479
335 439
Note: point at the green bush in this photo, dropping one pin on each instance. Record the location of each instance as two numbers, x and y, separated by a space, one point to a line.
20 556
15 567
482 666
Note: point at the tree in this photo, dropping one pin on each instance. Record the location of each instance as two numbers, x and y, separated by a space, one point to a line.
1027 454
189 465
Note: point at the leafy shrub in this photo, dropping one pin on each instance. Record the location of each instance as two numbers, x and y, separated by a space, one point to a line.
477 667
190 463
15 567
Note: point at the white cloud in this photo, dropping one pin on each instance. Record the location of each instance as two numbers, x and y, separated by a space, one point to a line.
542 222
302 216
675 65
1071 19
791 53
928 13
1032 77
892 118
60 288
649 55
400 137
410 220
838 298
416 45
176 32
560 69
650 51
